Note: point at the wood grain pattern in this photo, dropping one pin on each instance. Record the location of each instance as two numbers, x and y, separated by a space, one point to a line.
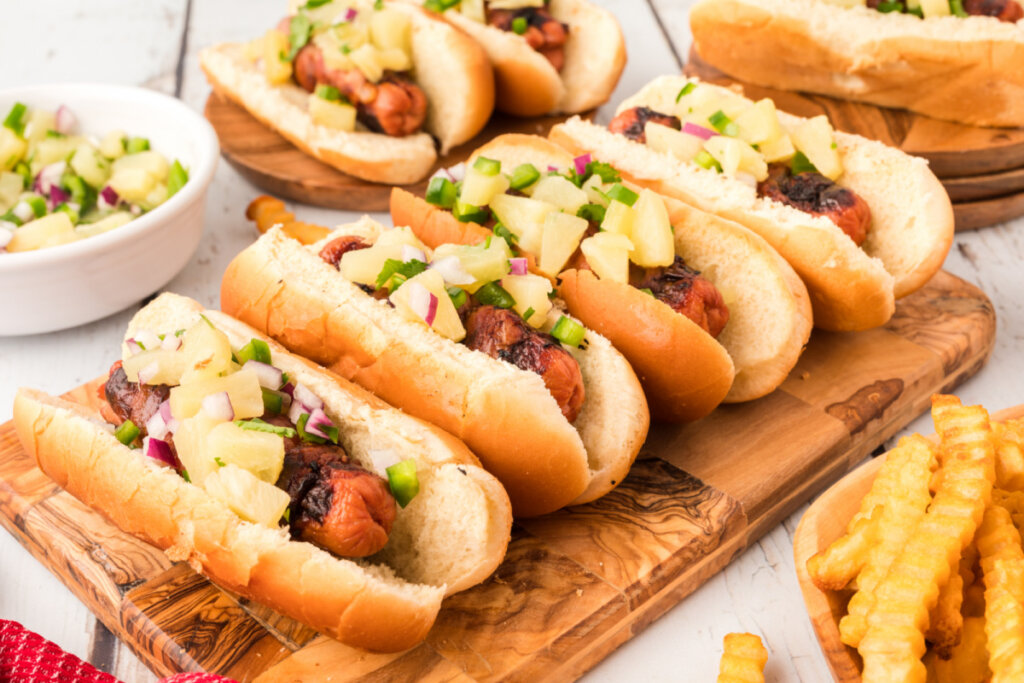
576 584
823 523
276 166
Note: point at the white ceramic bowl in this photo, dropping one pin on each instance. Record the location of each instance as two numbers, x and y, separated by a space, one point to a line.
72 284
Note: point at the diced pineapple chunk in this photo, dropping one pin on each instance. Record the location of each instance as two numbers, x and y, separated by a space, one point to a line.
530 291
524 216
595 189
759 124
391 29
114 220
251 499
168 365
155 197
484 264
207 353
653 242
260 453
779 149
619 218
607 254
112 144
735 155
362 266
276 67
337 115
366 59
682 146
479 188
474 9
561 193
243 389
88 163
934 8
394 59
52 150
446 319
11 187
12 148
62 238
136 176
35 234
153 163
190 443
562 235
39 122
814 137
403 235
254 49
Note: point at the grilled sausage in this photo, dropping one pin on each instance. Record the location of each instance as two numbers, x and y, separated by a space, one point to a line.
544 33
688 293
1003 10
336 248
819 196
502 334
132 400
631 122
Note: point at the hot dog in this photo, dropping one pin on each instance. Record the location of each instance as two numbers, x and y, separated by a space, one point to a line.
360 85
704 310
954 60
863 224
549 56
270 476
453 337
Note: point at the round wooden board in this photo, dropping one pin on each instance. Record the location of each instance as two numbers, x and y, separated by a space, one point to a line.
986 212
987 186
273 164
954 150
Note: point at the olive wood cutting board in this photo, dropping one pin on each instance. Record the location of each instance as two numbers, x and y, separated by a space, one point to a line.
982 169
575 584
276 166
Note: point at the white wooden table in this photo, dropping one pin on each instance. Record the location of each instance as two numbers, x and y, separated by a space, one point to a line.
154 44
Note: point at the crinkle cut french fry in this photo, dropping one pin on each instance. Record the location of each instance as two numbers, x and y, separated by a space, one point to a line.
1009 454
743 659
1002 561
910 464
945 621
837 565
969 660
894 642
267 212
1014 502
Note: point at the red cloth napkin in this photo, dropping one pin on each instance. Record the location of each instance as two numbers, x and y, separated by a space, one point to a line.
27 657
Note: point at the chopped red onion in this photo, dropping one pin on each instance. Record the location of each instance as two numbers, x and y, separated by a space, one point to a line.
156 427
553 169
218 406
383 458
450 268
64 120
149 372
581 162
23 211
108 198
306 397
295 411
49 177
317 421
148 339
170 343
269 376
133 347
135 210
57 196
6 234
411 253
288 389
747 179
158 450
350 14
457 173
518 266
422 301
700 131
165 411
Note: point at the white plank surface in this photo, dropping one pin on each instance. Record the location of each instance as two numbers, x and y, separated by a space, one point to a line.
140 43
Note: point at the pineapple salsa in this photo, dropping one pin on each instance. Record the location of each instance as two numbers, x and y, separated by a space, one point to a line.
57 186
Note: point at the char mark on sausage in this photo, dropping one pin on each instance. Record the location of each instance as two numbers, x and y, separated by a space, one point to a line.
819 196
631 122
395 106
1003 10
502 334
132 400
688 293
336 248
544 33
335 504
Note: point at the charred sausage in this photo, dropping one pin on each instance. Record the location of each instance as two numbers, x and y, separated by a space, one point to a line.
631 122
132 400
336 248
819 196
502 334
544 33
1003 10
688 293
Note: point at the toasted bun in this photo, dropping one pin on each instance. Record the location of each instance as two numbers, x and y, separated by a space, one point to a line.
526 82
770 311
851 287
450 67
961 69
451 536
504 414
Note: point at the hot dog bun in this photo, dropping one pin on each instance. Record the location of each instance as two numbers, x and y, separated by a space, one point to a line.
851 288
504 414
451 536
452 69
526 82
961 69
770 315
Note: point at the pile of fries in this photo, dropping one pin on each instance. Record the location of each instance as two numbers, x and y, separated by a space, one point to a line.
933 561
